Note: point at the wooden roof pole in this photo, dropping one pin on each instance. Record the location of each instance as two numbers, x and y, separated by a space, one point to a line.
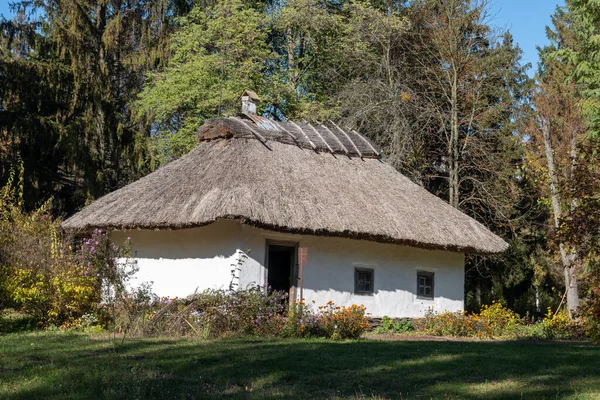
348 137
338 139
305 135
322 138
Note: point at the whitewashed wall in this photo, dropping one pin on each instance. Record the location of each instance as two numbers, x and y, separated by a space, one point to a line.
182 261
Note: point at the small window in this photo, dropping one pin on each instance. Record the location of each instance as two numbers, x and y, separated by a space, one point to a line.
363 281
425 285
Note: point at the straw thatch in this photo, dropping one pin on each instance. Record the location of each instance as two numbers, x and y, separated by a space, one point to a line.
309 179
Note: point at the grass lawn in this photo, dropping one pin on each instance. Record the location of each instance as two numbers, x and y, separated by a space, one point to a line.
77 366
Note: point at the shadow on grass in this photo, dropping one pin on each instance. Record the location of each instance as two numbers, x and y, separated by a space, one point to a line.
12 322
60 366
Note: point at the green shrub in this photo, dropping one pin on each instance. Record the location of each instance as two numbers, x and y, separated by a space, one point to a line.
40 273
498 320
388 325
231 313
589 312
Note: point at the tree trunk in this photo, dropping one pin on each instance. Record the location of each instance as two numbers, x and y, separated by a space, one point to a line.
453 189
567 258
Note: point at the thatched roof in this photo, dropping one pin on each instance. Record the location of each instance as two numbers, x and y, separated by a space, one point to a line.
309 179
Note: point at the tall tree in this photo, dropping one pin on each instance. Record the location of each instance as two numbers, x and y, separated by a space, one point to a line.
68 74
568 109
218 51
555 137
576 41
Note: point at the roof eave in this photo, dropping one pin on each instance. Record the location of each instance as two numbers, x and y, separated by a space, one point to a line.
473 250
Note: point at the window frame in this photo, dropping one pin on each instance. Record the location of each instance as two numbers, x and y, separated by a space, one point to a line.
357 271
426 274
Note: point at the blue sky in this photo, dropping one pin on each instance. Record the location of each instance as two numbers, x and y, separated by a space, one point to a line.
526 19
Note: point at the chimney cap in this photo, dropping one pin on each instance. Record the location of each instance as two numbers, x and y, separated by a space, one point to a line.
253 96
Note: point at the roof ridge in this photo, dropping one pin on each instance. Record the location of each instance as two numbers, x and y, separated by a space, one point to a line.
318 138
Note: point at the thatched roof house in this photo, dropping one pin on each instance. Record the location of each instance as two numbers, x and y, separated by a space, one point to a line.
297 180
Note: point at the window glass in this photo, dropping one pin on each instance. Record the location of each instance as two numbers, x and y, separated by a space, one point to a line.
425 284
363 281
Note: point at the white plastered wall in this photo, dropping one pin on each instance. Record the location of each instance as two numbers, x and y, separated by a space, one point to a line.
182 261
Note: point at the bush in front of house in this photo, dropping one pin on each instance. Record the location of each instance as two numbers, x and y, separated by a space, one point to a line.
389 325
497 321
342 322
235 313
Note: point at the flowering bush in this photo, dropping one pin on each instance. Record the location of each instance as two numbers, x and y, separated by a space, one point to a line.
40 274
210 314
493 321
501 321
301 321
228 313
343 322
458 324
497 321
557 326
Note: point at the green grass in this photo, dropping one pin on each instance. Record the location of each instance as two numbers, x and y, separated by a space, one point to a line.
77 366
12 321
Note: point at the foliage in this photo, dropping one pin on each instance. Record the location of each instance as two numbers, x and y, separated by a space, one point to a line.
497 321
69 73
589 313
41 275
218 51
388 325
576 43
232 313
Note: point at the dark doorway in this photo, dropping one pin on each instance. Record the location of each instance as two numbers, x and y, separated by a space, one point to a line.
280 267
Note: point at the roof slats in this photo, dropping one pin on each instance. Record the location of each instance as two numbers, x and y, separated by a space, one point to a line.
310 142
368 142
348 137
320 138
346 152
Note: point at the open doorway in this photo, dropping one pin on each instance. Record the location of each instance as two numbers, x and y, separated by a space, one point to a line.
281 267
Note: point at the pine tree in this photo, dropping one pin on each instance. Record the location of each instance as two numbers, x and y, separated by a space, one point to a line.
69 72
